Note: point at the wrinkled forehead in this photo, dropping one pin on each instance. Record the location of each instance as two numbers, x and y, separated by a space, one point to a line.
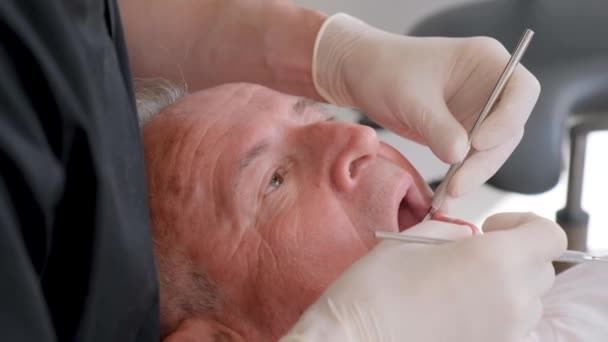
232 112
211 120
233 104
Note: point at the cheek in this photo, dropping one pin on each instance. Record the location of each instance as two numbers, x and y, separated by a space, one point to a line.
315 241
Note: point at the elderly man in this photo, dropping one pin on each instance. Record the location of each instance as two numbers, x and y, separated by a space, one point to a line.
254 216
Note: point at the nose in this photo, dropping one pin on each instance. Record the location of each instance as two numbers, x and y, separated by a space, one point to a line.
349 149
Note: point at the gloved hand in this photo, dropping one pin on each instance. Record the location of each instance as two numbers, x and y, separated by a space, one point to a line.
429 90
485 288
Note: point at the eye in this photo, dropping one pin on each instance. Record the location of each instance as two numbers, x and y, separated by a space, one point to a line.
275 182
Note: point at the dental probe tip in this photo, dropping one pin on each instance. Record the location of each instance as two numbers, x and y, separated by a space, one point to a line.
436 204
428 215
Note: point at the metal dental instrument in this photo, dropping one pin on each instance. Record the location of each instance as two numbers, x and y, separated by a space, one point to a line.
442 189
574 257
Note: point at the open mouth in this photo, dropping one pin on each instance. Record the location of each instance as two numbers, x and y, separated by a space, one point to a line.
413 208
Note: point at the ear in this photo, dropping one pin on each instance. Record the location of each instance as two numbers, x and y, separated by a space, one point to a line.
203 329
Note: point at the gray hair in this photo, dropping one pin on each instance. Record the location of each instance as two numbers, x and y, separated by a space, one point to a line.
195 293
152 95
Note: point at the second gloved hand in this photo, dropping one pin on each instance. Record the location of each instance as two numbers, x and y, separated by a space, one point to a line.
429 90
485 288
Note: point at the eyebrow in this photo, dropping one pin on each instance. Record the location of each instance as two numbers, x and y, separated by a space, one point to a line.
257 150
250 156
303 103
300 106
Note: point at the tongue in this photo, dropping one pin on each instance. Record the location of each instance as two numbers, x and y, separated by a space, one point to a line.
442 218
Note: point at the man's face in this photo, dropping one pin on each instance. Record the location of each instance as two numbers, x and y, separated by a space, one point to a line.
270 198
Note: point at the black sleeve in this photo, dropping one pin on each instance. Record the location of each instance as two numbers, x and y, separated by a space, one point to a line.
30 183
23 313
76 258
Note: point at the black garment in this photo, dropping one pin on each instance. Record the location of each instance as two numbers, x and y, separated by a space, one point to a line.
76 260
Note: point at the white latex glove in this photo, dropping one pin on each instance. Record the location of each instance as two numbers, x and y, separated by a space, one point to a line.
429 90
576 308
480 289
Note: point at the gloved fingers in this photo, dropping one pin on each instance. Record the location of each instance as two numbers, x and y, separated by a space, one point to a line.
480 166
538 239
511 111
441 132
505 221
440 230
